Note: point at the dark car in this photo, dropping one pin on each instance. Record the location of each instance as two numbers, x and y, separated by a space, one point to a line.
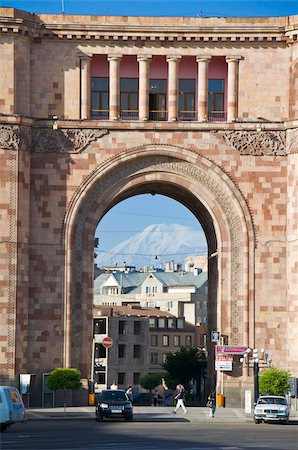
113 403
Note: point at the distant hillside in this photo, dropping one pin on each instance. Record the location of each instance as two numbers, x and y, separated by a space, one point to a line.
167 242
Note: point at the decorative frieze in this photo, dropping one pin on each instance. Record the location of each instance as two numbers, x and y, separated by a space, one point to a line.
9 137
255 143
47 140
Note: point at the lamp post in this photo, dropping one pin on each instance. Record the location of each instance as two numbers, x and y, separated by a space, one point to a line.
255 356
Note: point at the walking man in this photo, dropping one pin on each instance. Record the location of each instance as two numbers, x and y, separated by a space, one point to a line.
180 398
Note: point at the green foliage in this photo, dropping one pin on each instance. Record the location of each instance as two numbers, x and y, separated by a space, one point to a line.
151 380
275 381
184 365
63 379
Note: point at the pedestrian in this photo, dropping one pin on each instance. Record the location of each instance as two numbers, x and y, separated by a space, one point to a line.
114 386
211 403
155 398
180 398
129 392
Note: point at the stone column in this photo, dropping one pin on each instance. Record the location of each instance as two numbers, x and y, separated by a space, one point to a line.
203 62
85 82
144 61
233 63
173 87
114 64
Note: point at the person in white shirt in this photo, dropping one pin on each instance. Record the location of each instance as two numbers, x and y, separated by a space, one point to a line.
114 386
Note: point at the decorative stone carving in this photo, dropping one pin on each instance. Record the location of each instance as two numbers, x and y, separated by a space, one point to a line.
255 143
47 140
9 137
292 141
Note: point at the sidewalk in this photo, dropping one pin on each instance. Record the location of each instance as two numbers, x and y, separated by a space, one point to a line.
144 413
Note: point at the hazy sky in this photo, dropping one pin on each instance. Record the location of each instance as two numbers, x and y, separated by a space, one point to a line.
202 8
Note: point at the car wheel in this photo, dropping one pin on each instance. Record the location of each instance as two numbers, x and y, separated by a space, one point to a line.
99 418
285 422
257 420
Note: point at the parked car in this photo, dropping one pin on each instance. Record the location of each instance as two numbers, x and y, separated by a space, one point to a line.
113 403
12 408
270 408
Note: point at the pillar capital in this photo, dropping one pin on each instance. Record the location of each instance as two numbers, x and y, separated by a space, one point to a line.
173 58
233 58
203 58
114 57
144 58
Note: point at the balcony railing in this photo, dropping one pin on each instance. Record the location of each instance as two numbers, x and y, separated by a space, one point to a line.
129 114
100 114
217 116
186 116
158 114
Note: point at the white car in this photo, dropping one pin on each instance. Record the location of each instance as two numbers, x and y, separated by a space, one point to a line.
271 408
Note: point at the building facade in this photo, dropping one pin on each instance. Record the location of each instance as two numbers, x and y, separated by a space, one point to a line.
95 110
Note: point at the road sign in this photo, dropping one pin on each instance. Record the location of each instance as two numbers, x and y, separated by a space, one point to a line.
215 336
224 363
230 350
107 342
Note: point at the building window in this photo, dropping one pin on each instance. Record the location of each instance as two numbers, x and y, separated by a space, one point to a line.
171 323
165 341
186 107
157 99
188 341
216 100
136 377
137 351
100 351
152 322
121 351
176 341
154 358
154 340
122 328
129 100
100 377
180 323
121 378
137 327
161 323
100 326
164 357
100 97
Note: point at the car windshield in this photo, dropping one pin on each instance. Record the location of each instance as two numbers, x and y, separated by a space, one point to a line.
113 396
272 401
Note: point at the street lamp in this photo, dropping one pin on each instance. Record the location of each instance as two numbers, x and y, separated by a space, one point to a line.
258 359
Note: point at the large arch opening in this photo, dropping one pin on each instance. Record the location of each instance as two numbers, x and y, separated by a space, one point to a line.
208 193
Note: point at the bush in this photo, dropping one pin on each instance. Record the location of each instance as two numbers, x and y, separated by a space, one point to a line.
275 382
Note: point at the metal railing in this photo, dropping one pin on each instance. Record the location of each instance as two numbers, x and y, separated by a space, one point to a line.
217 116
100 114
158 114
129 114
186 116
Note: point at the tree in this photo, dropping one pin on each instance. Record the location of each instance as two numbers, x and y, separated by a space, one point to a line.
151 380
64 379
275 381
184 365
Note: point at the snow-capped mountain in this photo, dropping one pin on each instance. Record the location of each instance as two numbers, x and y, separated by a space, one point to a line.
164 241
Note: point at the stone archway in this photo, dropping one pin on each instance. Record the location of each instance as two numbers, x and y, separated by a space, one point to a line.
202 187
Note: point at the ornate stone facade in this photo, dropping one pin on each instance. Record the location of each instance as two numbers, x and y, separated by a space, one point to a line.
61 172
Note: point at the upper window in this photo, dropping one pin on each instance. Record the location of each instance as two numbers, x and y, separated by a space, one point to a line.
137 351
122 327
100 326
216 100
186 106
165 340
157 99
137 327
129 88
100 97
161 322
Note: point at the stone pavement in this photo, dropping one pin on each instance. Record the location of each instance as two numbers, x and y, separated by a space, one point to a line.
143 413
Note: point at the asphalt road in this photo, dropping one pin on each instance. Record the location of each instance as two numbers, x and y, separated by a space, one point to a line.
170 434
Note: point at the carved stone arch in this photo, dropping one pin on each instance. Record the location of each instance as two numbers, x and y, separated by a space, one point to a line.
143 170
